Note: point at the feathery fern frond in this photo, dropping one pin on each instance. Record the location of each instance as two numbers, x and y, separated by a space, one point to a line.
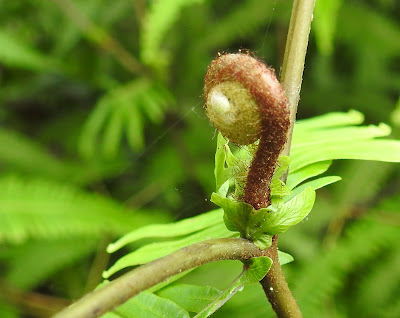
160 17
44 258
44 209
21 155
320 280
15 53
324 24
239 22
123 108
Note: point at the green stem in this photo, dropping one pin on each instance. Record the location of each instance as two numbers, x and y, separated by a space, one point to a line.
294 58
141 278
274 283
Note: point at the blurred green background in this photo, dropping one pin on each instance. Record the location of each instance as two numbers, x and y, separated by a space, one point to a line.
103 131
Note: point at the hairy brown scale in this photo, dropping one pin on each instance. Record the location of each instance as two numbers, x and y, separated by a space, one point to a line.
260 81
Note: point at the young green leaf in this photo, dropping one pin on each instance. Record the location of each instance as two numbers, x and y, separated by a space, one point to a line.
324 24
158 20
279 188
331 135
15 53
266 223
179 228
258 267
219 301
307 172
43 209
315 184
336 119
122 109
378 150
190 297
148 305
285 258
290 213
282 166
236 215
152 251
222 174
259 226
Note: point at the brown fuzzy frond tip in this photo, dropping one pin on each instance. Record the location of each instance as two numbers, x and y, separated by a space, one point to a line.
245 102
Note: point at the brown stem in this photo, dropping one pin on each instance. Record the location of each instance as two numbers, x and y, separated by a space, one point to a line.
280 296
141 278
276 287
257 189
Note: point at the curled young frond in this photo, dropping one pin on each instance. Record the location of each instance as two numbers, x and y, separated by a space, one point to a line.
246 103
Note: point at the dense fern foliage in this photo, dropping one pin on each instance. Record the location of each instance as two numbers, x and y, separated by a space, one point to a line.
103 132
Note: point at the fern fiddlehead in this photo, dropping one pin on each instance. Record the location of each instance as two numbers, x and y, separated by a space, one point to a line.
246 103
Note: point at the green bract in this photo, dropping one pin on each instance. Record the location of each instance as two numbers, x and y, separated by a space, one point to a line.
261 225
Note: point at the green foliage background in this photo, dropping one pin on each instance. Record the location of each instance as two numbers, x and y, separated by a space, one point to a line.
103 131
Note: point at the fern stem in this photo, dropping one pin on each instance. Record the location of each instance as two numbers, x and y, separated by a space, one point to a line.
141 278
274 283
294 58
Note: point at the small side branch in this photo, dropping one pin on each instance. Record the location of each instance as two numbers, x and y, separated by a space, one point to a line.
141 278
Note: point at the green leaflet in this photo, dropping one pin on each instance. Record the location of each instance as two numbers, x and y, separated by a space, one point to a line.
152 251
39 209
123 109
159 19
315 184
221 300
334 136
259 226
148 305
307 172
228 167
192 298
221 32
285 258
16 53
351 133
257 268
40 162
34 254
222 174
179 228
324 24
288 214
378 150
335 119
